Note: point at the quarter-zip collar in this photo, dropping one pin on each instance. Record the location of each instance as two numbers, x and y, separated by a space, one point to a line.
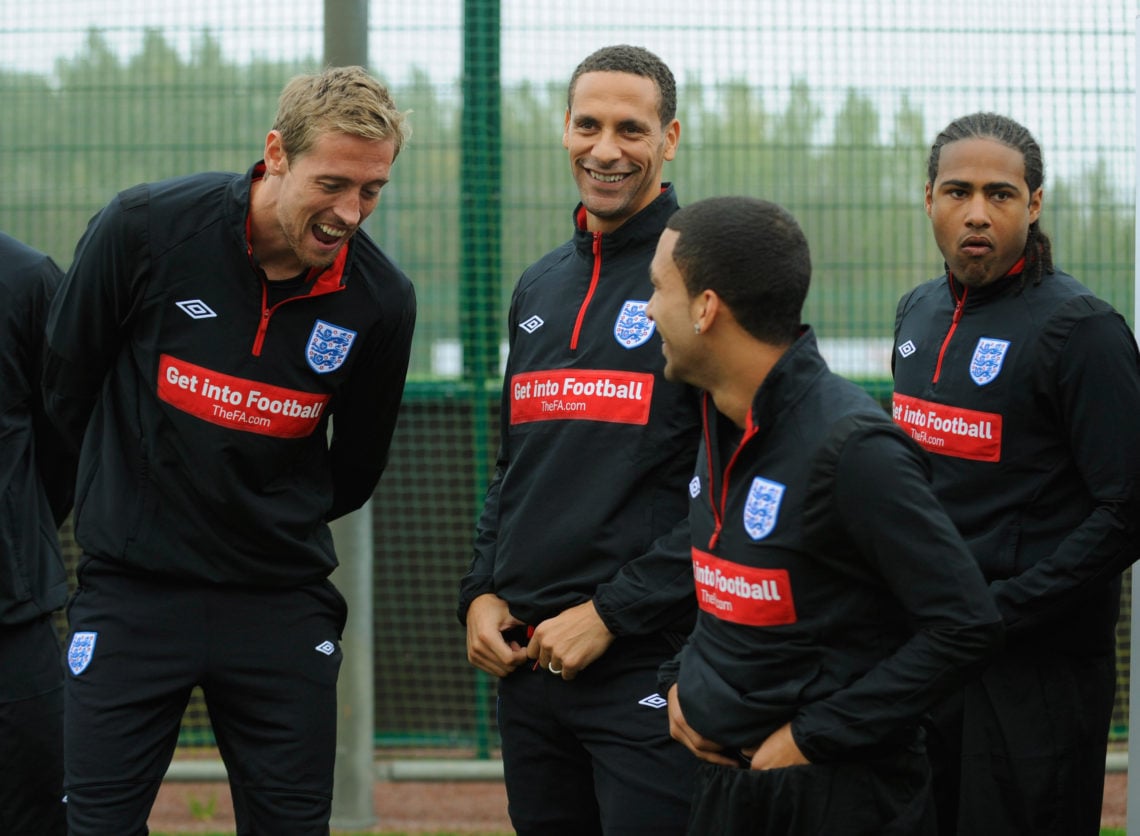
643 227
963 295
324 280
978 295
785 384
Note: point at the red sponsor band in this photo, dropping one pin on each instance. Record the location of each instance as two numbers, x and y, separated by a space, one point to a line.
581 395
949 430
237 403
742 594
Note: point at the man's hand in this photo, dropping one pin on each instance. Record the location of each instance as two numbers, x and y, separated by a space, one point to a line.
778 751
702 747
570 641
487 618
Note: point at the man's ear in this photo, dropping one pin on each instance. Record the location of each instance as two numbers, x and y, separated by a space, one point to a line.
706 308
276 160
671 138
1035 201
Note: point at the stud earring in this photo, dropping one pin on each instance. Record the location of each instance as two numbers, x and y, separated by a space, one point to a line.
696 327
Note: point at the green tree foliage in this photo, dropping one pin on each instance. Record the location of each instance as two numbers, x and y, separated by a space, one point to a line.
1090 223
99 124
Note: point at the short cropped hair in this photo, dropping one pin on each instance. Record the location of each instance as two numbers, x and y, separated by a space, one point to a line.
753 255
341 100
634 60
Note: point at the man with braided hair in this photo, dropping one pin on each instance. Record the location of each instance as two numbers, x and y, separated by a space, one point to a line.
1023 387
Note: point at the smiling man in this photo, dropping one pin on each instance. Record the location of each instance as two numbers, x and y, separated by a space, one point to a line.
1023 388
209 330
580 585
836 600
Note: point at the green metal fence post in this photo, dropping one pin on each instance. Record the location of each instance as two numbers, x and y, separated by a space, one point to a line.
481 239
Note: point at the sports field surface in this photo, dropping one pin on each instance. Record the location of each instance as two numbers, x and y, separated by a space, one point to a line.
435 808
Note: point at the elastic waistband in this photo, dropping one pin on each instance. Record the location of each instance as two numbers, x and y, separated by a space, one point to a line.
519 634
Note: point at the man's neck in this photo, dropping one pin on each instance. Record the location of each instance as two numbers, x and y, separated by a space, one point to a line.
741 373
270 250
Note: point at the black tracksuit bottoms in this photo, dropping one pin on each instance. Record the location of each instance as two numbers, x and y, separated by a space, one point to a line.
31 730
1021 749
881 796
267 661
593 755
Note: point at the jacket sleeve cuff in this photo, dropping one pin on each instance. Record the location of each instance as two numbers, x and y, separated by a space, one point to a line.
806 749
667 675
470 588
613 624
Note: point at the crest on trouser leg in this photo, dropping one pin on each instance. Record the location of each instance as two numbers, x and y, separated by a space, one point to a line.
81 651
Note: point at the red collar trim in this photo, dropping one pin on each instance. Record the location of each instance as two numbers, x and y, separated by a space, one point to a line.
1018 267
580 218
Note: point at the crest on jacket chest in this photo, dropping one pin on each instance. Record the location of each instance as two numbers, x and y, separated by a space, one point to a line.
989 355
328 346
762 508
632 327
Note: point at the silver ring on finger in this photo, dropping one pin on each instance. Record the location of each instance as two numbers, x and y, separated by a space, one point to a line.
552 669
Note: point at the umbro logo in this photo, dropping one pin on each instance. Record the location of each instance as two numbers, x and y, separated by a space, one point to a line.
908 348
695 487
653 701
326 647
196 309
533 324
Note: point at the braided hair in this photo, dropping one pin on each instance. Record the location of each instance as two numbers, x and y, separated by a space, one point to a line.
1038 248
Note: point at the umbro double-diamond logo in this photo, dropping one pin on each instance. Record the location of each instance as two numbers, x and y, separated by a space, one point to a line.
326 647
196 309
532 324
653 701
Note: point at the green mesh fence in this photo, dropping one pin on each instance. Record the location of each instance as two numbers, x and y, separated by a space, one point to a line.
827 107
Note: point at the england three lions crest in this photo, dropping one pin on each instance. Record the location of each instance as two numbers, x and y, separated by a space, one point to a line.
762 508
81 651
632 327
328 347
989 354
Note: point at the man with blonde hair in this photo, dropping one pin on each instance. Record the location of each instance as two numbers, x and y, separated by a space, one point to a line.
208 332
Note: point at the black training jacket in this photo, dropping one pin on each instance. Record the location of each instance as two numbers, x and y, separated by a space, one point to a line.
588 498
833 590
203 411
37 474
1027 400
